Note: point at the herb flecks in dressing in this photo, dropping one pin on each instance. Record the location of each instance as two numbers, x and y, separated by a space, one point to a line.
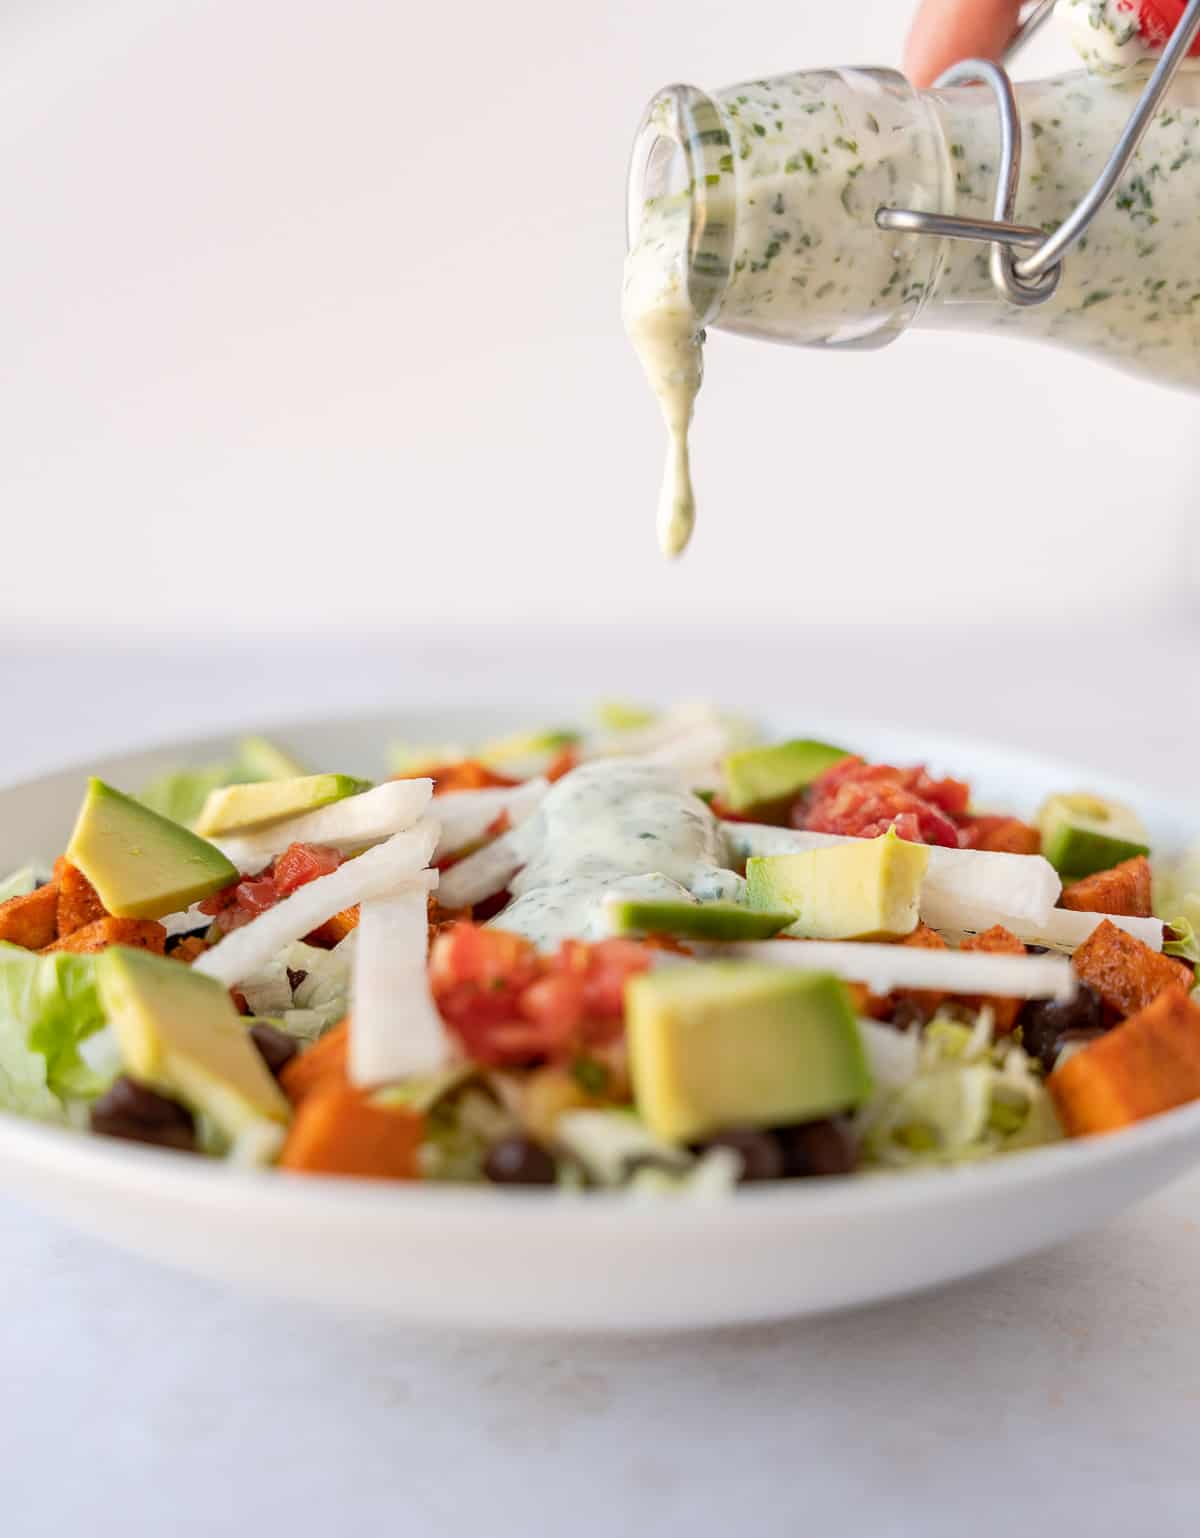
666 336
617 826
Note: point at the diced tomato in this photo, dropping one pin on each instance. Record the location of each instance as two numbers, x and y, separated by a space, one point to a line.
509 1006
301 863
864 800
562 764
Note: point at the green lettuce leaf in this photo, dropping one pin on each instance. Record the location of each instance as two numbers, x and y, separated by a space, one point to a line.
19 884
1185 943
48 1005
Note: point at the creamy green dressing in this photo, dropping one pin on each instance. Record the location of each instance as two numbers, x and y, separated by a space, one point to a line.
615 826
808 160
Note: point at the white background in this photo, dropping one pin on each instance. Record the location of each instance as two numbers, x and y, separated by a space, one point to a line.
310 320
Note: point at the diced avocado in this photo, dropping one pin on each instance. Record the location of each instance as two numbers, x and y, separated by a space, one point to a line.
763 776
235 808
1083 834
178 1031
142 865
693 921
865 889
735 1044
19 884
260 759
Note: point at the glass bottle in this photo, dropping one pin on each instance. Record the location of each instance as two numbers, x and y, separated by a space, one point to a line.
758 204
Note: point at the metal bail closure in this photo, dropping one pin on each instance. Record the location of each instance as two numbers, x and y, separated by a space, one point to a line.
999 232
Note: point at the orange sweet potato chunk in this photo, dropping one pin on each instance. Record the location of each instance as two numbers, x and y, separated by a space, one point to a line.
1125 973
338 1130
319 1066
1149 1064
1004 835
31 921
188 949
334 930
142 934
78 902
1124 889
1000 942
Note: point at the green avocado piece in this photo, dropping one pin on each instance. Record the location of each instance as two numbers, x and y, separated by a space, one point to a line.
621 716
179 1032
735 1044
864 889
1083 834
762 776
693 921
236 808
142 865
260 759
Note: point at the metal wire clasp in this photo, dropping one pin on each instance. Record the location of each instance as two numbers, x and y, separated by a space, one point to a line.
1032 279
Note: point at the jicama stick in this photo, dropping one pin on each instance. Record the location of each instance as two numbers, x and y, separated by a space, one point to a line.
396 1031
466 815
482 874
885 967
346 825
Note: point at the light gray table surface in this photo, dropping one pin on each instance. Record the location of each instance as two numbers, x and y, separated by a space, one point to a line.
1060 1394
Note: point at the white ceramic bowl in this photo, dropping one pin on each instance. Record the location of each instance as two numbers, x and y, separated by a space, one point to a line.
537 1260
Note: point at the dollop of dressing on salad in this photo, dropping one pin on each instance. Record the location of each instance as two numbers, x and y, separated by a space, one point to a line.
666 335
617 826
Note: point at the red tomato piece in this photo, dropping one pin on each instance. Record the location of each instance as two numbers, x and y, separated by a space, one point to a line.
1157 20
301 863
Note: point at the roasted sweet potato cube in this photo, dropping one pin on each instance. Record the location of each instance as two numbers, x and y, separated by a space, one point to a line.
1003 835
31 921
334 930
339 1130
188 949
317 1066
1124 889
1151 1063
142 934
1000 942
1125 973
78 902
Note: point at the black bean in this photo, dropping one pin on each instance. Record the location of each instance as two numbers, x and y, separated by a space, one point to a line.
908 1015
519 1161
130 1110
295 978
817 1148
760 1152
276 1047
1044 1022
186 934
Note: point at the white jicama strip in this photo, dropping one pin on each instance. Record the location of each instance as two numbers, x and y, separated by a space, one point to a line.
380 872
466 815
482 874
1063 929
884 967
1023 886
344 825
396 1031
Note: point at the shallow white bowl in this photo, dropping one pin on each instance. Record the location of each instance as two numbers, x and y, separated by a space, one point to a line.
539 1260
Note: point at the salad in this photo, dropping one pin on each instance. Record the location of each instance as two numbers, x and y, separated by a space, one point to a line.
655 953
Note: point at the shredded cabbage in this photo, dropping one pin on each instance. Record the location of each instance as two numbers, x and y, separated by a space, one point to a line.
968 1096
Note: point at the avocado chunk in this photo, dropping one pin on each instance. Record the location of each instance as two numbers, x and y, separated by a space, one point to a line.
1083 834
736 1044
865 889
236 808
692 921
179 1033
763 776
260 759
142 865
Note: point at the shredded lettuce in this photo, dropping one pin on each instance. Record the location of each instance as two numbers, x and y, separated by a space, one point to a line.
1185 943
48 1006
967 1096
319 1000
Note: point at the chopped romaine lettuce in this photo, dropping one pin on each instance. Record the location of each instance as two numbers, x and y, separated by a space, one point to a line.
19 884
48 1005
